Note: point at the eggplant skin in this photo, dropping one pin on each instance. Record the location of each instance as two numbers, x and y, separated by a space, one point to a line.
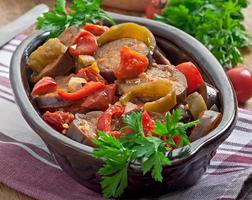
83 127
51 101
60 66
159 57
209 120
68 35
210 94
186 115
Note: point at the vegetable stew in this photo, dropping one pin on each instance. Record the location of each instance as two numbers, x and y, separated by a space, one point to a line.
112 88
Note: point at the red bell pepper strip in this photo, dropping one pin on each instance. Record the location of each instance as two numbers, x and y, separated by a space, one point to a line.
90 74
95 29
105 120
58 119
132 64
84 44
147 123
88 89
43 86
192 74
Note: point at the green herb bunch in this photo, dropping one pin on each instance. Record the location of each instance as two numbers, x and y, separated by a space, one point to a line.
216 23
81 12
148 151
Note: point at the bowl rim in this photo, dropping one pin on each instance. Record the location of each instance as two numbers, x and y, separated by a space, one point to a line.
184 41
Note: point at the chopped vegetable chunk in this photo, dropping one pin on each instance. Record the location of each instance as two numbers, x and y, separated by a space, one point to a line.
132 64
192 74
84 44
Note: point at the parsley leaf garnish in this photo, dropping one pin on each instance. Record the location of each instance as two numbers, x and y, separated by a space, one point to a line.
147 151
174 127
114 172
217 24
82 11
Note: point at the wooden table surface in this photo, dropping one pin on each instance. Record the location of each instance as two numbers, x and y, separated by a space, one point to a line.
11 9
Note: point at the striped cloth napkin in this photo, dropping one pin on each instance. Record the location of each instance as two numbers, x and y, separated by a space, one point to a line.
27 165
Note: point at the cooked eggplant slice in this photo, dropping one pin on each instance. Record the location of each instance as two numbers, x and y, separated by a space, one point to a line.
208 121
160 58
155 73
128 30
68 35
212 96
187 116
60 66
83 128
108 56
51 102
209 94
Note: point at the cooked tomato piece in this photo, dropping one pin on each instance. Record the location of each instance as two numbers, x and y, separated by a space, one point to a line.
90 74
88 89
241 79
132 64
177 140
148 123
116 134
96 29
43 86
101 99
192 74
84 44
58 120
105 120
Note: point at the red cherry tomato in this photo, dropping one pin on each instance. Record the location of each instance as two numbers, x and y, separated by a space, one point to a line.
192 74
97 30
84 44
241 79
132 64
43 86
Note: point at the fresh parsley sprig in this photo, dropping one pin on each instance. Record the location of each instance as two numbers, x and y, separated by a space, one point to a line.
217 24
148 151
117 158
81 12
173 127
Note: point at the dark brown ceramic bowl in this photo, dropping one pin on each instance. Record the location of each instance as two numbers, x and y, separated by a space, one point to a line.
75 158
